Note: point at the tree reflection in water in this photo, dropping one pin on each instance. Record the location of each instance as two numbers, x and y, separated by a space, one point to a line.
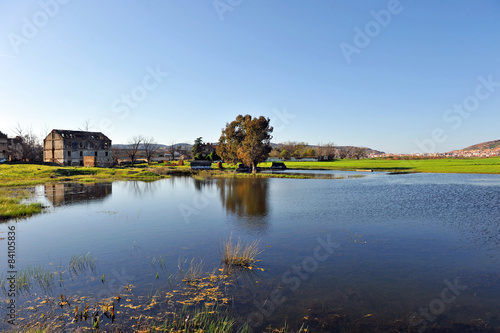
247 199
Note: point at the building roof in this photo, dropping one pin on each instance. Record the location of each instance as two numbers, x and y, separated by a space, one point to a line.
66 134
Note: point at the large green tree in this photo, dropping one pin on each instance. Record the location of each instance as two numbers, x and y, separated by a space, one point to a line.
246 140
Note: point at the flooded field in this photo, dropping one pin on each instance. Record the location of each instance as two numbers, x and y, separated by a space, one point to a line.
375 253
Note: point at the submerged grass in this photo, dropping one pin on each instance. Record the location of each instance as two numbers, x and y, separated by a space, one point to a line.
207 319
240 254
30 277
12 205
195 270
85 262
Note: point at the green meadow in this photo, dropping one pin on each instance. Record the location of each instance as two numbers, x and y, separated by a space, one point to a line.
448 165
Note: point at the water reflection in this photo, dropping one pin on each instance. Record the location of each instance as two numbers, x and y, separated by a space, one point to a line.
74 193
247 199
143 189
244 197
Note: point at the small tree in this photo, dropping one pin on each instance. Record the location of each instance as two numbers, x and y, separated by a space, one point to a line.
213 156
309 153
27 145
86 125
199 156
150 148
285 154
198 146
327 151
132 148
171 149
359 152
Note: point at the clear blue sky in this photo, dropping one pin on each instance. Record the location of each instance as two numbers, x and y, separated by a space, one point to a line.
304 64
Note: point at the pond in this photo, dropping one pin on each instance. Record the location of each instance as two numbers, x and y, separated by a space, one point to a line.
374 253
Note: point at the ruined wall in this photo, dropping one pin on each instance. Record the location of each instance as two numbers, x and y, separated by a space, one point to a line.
4 148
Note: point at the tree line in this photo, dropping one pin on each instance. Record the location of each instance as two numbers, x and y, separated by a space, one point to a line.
323 152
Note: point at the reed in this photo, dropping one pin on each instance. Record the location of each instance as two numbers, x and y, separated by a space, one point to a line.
240 254
82 263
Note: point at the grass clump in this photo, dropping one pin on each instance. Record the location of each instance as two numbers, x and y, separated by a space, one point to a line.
195 271
240 254
207 319
28 277
81 263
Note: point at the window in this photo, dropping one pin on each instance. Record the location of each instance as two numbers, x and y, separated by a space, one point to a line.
106 153
69 153
95 153
81 153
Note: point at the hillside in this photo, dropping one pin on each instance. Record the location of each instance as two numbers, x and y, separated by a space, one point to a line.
489 145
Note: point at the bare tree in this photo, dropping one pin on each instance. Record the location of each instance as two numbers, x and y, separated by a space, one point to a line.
171 149
44 131
150 148
86 125
132 148
26 145
345 152
327 151
359 152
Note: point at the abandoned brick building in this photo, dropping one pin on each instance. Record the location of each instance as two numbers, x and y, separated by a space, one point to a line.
77 148
11 149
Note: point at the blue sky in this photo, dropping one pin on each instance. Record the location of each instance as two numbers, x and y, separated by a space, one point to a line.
397 76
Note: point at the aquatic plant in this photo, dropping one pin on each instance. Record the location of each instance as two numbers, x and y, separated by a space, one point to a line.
240 254
207 319
82 263
195 270
160 261
28 277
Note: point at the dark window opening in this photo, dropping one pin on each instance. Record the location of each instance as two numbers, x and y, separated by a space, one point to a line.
81 153
69 153
106 153
95 153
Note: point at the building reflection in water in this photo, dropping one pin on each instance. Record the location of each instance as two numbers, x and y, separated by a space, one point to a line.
71 193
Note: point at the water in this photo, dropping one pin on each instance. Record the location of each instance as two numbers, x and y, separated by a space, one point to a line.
374 253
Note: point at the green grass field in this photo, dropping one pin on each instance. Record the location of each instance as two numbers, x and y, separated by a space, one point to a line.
33 174
449 165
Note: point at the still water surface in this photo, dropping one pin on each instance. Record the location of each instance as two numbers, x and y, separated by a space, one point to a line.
382 251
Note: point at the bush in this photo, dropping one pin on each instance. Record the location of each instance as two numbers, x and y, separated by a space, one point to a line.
213 156
199 156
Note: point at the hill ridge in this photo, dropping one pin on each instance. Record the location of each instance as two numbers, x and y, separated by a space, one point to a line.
488 145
